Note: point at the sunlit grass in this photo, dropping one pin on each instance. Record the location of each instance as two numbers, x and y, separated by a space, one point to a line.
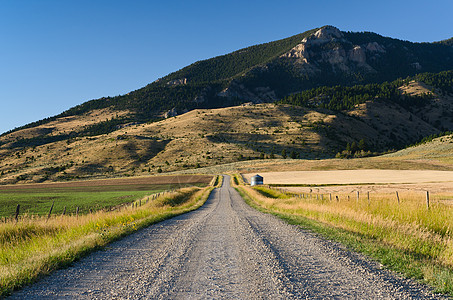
37 201
382 227
35 245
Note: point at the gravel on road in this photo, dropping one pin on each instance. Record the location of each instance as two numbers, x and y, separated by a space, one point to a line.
224 250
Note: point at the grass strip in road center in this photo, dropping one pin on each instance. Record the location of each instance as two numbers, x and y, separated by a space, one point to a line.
407 238
36 246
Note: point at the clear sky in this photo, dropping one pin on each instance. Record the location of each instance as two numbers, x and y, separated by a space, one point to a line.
55 54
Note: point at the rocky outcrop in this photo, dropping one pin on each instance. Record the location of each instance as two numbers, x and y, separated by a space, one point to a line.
328 45
324 35
375 47
171 113
175 82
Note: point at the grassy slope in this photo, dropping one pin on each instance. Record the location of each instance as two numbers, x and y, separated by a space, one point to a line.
211 137
438 151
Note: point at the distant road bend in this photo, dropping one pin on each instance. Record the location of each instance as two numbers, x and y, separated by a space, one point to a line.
224 250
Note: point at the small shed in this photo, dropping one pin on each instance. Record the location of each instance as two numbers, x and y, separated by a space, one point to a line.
256 180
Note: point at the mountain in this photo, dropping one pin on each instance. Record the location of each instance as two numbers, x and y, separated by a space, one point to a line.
337 94
374 118
323 56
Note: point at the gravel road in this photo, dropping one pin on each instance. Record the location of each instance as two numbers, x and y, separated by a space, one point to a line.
224 250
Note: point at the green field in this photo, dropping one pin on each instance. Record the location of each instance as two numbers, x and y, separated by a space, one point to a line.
37 201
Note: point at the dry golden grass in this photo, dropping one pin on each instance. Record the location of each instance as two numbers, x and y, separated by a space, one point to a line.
196 139
436 110
408 224
66 124
439 151
214 137
392 231
355 176
36 245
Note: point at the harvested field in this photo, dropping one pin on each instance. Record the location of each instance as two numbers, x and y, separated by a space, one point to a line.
345 181
36 199
149 180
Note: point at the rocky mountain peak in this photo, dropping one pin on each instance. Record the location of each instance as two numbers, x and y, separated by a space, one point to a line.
341 54
328 32
324 35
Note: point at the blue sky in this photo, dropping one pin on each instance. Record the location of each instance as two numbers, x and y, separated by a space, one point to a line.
55 54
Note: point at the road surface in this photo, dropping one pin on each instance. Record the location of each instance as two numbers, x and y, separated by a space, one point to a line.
224 250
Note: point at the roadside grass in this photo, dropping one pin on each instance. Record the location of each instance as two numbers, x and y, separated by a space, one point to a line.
405 237
37 201
271 193
35 246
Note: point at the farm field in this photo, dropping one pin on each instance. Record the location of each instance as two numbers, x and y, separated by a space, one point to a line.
385 214
34 246
36 199
347 181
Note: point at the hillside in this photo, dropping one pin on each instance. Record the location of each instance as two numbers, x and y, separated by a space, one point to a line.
436 151
268 72
210 137
315 95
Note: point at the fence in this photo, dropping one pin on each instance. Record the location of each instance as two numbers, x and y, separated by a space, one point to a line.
18 215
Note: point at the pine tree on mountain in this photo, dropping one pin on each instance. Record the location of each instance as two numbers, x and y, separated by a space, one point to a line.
354 147
362 145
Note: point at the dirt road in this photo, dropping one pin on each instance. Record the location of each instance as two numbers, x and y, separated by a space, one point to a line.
224 250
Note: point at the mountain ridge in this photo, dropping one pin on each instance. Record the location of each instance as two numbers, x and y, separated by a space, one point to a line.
263 73
209 137
332 99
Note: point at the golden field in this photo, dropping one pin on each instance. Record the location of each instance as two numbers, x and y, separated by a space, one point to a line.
389 220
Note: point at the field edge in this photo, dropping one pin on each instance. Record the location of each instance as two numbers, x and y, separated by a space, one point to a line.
394 259
67 257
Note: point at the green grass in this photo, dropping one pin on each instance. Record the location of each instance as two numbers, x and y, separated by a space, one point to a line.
37 201
34 247
271 193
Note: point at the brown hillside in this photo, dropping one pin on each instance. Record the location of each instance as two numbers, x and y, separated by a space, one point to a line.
202 138
438 151
439 112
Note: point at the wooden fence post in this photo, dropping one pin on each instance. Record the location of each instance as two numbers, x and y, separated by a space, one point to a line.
368 196
50 211
17 212
77 212
397 197
330 196
427 199
358 196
